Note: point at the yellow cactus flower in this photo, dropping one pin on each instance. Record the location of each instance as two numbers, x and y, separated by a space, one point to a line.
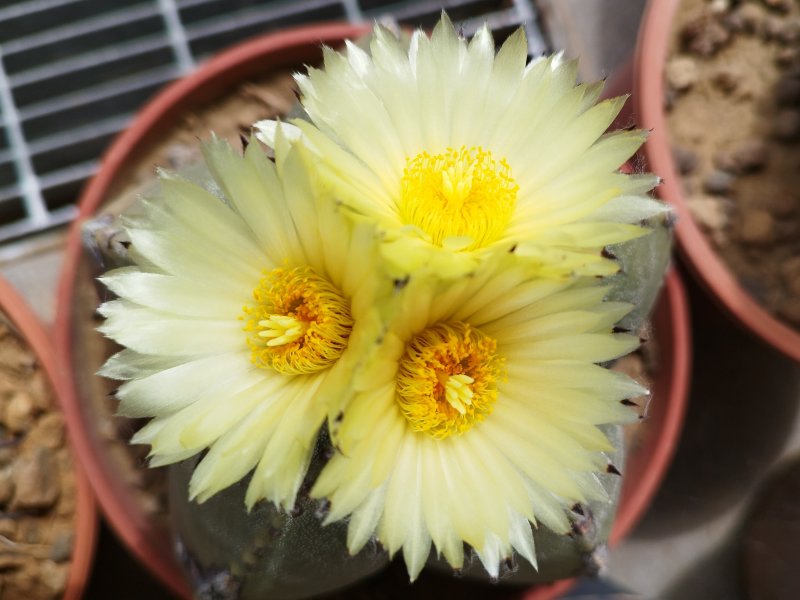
455 150
240 320
478 416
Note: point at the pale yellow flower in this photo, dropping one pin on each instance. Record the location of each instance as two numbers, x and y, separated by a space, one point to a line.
241 319
454 150
479 416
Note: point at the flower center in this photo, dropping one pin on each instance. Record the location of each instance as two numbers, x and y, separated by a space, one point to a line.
447 379
463 194
299 323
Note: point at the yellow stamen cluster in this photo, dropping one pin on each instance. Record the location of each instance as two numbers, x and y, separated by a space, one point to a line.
299 323
447 379
463 198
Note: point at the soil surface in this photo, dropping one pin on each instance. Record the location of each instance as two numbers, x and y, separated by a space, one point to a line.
733 100
639 366
230 118
37 480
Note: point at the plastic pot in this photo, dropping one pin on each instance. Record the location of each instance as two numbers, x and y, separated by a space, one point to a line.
291 50
695 248
34 335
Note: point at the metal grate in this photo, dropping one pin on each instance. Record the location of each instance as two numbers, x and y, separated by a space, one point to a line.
73 72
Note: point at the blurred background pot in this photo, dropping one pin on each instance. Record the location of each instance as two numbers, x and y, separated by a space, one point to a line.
702 35
38 507
129 160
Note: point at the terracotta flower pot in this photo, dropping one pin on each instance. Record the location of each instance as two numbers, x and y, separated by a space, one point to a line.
32 333
701 257
291 50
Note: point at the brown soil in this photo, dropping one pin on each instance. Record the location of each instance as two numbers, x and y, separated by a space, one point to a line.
733 97
640 367
230 118
37 480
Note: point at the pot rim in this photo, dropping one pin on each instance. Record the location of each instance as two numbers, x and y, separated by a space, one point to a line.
704 262
272 51
33 332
